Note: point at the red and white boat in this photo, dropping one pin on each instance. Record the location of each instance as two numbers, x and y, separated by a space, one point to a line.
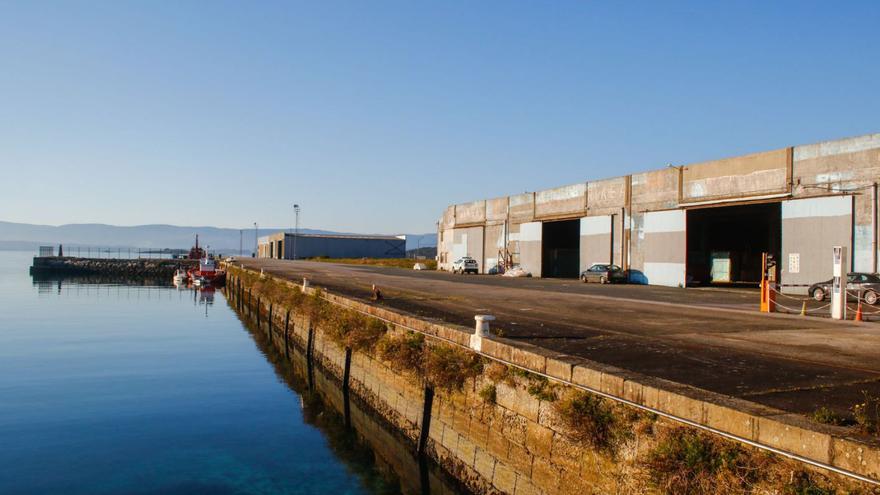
207 272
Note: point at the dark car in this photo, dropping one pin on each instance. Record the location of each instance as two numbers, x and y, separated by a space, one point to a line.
866 284
604 274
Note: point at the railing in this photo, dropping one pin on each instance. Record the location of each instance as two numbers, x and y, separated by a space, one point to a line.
109 252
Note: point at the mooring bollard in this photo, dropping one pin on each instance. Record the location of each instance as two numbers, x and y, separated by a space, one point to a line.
481 331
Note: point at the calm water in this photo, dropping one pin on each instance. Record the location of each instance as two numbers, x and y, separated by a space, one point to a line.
128 389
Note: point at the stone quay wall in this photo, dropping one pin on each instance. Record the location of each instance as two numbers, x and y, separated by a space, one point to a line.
138 267
531 421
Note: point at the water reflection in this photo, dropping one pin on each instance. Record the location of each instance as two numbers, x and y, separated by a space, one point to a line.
124 386
381 457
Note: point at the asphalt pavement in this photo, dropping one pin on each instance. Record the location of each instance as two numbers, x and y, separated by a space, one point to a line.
713 339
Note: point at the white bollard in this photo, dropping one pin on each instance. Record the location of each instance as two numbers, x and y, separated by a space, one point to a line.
481 331
305 285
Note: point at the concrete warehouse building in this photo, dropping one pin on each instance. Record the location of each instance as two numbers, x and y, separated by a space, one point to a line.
281 246
694 224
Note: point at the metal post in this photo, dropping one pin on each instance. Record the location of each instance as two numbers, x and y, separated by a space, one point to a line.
296 230
256 242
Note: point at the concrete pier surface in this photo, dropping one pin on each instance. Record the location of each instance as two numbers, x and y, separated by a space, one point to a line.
710 339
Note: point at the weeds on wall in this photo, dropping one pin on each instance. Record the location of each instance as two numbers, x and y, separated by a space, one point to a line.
687 462
828 417
346 327
404 351
443 366
866 414
590 418
801 483
499 373
489 393
448 367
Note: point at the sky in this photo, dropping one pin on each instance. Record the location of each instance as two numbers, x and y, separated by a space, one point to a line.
374 116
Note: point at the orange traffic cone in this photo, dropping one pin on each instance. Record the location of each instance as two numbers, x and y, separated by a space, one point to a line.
859 312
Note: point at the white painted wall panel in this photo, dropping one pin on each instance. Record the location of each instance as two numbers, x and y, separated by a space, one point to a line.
832 206
670 274
600 224
531 231
664 221
665 249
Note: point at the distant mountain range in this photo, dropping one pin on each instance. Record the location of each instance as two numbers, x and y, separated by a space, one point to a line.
23 236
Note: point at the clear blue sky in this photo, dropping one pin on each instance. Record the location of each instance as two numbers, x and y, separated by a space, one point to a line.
376 115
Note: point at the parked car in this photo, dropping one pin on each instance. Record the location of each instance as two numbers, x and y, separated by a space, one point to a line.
230 259
465 265
866 284
604 274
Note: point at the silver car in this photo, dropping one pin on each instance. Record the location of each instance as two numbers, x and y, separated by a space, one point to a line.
866 284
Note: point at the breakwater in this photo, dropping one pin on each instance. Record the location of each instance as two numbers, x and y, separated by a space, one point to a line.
139 267
514 418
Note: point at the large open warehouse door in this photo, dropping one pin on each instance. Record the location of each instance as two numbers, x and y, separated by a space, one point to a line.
810 228
596 240
560 253
665 247
725 243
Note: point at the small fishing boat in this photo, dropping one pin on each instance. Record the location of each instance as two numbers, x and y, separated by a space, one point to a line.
180 277
207 273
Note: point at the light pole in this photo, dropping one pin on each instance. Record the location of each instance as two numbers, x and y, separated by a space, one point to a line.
296 228
256 243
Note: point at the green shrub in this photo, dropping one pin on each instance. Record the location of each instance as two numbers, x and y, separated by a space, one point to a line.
489 394
540 388
404 351
591 418
827 416
448 367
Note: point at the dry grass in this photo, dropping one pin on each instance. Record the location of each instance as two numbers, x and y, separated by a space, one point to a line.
403 351
866 414
387 262
448 367
689 462
497 372
351 329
